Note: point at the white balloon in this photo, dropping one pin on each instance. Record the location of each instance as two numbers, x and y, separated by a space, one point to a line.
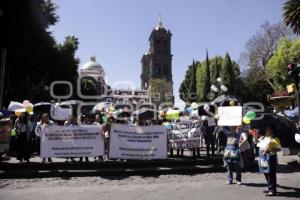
297 138
206 107
219 79
224 88
194 105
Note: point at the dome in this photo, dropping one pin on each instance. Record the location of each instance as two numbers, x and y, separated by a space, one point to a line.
92 65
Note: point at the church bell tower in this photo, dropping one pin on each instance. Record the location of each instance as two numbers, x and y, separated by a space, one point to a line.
157 62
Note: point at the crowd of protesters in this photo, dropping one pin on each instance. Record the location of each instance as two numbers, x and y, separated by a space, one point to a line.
238 144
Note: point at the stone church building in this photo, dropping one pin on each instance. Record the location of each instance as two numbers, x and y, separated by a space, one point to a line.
156 64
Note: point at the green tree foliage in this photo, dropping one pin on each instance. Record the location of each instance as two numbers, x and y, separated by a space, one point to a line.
184 86
286 52
34 59
207 73
192 91
161 91
253 89
201 77
227 73
291 15
206 81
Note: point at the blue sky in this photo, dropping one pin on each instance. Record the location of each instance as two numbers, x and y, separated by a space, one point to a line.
117 31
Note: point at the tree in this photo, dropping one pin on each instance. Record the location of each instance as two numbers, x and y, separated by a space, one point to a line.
34 59
227 73
291 15
206 79
200 79
160 91
192 91
286 52
261 46
184 86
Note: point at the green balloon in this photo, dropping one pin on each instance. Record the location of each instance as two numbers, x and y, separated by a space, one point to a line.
250 115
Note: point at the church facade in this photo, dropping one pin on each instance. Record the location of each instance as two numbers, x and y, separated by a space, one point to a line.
156 64
156 76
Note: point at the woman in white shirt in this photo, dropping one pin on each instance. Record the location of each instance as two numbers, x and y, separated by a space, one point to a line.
269 145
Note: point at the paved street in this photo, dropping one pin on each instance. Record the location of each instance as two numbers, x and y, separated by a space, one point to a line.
199 186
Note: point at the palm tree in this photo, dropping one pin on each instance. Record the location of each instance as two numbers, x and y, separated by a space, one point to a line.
291 15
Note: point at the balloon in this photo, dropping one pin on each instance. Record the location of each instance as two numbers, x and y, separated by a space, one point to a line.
246 120
232 103
250 115
111 109
189 109
194 105
168 125
29 109
195 113
26 102
297 138
206 107
173 114
162 113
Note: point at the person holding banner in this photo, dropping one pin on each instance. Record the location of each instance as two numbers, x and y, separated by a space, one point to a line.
71 122
106 132
23 130
83 121
232 155
45 122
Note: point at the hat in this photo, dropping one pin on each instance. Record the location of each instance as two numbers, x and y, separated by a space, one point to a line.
250 115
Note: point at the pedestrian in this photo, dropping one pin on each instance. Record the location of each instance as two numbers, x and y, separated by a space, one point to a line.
269 145
23 130
44 122
244 147
232 156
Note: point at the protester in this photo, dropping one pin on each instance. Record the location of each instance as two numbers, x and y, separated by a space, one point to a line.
83 121
232 155
269 145
106 132
99 121
197 149
12 143
244 147
209 125
23 130
45 122
71 122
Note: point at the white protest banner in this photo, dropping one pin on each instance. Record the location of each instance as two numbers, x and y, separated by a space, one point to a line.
72 141
185 135
138 142
230 115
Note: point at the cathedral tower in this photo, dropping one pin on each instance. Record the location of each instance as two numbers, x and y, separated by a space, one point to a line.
157 62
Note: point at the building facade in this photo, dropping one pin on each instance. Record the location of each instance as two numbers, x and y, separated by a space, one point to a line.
157 62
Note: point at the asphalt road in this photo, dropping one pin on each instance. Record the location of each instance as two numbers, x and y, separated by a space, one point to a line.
189 186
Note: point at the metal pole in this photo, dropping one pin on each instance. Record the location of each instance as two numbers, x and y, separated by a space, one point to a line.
2 76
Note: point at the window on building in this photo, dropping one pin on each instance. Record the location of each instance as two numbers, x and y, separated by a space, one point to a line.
158 50
156 69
